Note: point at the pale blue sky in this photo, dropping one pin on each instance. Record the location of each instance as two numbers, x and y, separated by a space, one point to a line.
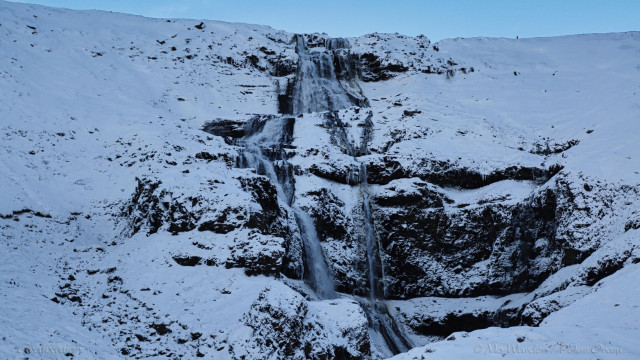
436 19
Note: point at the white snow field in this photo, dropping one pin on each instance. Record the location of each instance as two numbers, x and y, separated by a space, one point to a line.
100 112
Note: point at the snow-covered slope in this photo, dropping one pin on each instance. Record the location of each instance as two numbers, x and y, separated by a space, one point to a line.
504 178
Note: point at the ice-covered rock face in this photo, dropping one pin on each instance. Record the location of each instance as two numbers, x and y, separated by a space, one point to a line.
447 230
496 192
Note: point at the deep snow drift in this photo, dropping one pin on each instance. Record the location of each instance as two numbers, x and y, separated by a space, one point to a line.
484 193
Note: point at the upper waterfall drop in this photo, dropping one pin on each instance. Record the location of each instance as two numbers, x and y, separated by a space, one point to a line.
337 43
319 85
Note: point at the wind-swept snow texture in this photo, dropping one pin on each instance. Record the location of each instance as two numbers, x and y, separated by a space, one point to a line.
503 189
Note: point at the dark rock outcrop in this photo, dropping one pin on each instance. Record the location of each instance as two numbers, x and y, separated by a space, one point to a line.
151 209
339 234
372 69
225 128
286 326
426 246
449 174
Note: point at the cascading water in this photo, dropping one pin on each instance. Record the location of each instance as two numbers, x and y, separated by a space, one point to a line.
263 150
319 275
380 319
325 81
320 87
317 87
384 330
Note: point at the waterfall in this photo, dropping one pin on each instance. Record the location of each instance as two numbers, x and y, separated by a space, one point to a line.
379 318
376 290
264 151
319 276
320 87
316 87
384 330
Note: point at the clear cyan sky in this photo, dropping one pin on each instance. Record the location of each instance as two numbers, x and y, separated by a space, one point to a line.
436 19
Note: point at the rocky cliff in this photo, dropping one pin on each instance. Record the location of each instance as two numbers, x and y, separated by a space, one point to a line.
186 189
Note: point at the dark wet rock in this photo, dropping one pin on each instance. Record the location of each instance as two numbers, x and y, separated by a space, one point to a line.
335 174
273 245
254 61
372 68
15 213
277 323
338 233
469 179
450 174
411 112
434 316
385 171
265 194
187 260
548 147
605 267
266 240
225 128
513 239
228 220
258 254
161 329
217 226
632 224
316 40
419 194
491 248
582 227
151 208
329 221
285 98
282 66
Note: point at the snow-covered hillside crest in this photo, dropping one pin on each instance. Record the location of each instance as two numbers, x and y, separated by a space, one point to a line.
502 180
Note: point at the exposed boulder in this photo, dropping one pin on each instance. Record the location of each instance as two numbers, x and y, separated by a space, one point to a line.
283 325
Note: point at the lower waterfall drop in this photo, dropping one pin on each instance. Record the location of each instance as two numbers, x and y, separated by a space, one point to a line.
383 328
380 320
271 138
319 276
